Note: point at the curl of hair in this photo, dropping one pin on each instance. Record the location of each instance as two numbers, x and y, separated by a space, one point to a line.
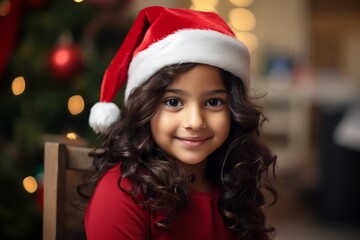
244 160
159 185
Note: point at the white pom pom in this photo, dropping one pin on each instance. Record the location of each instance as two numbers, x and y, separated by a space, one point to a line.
103 115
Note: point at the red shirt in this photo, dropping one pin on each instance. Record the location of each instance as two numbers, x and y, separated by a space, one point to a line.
113 215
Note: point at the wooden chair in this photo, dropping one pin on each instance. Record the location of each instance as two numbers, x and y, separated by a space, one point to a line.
64 168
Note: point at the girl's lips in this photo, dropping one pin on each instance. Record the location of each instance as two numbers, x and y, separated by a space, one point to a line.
192 142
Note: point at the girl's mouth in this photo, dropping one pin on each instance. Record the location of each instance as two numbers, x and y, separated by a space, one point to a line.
192 141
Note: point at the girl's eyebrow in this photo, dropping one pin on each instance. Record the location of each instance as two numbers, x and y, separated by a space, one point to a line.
182 92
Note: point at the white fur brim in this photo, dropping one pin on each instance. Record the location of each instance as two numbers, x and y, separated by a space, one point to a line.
103 115
190 45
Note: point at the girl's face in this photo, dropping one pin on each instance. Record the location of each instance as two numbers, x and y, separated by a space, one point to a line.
193 119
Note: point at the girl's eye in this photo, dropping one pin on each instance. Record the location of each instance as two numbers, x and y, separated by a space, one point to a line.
214 102
173 102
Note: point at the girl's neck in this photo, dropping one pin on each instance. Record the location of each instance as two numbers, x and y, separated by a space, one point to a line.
200 183
203 185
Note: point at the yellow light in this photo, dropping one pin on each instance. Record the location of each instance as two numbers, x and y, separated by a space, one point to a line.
76 104
203 8
30 184
212 3
18 85
242 19
5 7
249 39
78 1
71 136
242 3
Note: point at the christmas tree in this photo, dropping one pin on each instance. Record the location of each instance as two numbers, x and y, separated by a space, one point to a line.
52 58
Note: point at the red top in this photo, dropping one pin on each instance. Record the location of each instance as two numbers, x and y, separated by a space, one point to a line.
112 214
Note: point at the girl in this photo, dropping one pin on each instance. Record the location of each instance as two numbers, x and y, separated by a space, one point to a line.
184 159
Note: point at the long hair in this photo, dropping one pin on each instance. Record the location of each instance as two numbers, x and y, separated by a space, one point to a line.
239 167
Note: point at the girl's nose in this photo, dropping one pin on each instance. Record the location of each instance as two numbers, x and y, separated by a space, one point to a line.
195 119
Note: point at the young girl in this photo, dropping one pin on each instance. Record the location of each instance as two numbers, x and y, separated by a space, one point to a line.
184 158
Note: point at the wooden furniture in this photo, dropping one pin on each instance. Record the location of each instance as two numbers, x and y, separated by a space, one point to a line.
64 168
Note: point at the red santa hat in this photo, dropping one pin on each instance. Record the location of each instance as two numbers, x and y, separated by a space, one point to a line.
160 37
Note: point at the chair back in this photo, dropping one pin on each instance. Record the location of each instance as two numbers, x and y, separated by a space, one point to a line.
64 168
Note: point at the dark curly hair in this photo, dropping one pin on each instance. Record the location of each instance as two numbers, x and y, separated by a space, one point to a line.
239 168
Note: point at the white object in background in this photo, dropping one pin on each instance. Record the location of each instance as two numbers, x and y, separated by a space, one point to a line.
347 132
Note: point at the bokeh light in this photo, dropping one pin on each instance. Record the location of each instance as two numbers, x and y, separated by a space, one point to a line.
242 19
61 57
212 3
5 8
71 136
249 39
203 7
76 104
30 184
18 85
242 3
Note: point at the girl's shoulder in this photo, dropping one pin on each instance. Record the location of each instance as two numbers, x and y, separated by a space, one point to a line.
112 211
112 180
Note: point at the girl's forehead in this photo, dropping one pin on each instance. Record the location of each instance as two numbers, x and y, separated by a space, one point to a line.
199 77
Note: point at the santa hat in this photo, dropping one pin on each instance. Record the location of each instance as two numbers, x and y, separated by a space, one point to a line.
160 37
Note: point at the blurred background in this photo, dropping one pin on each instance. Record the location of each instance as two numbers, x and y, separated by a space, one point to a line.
305 61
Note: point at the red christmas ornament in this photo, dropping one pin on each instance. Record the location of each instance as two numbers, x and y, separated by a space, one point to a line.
66 61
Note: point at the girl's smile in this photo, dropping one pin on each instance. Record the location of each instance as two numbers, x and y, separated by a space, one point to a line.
193 119
192 142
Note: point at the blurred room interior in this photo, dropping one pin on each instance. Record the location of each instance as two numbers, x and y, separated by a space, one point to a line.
305 61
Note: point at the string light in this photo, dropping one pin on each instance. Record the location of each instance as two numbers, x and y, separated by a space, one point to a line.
204 8
76 104
242 19
71 136
18 85
204 5
242 3
30 184
212 3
